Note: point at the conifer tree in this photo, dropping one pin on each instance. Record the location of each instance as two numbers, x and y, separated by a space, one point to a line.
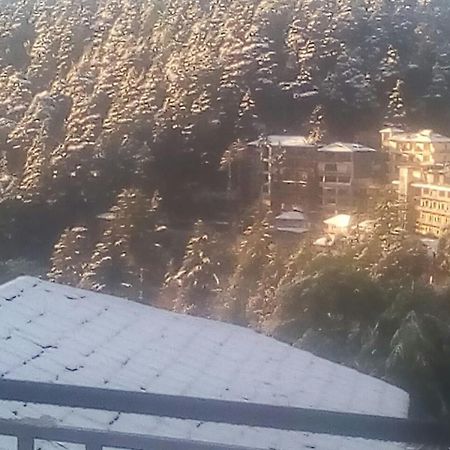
195 286
129 259
253 253
71 256
396 113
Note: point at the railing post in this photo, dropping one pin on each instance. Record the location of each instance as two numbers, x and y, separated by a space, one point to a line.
25 443
94 446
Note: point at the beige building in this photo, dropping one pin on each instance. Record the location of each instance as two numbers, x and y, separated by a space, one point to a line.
426 192
423 148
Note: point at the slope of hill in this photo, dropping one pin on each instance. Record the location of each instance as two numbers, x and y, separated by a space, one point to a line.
101 96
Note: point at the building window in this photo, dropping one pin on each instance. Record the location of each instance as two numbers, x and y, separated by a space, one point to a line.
330 167
330 179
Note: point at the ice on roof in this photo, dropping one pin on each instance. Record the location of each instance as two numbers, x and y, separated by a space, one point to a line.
284 141
54 333
344 147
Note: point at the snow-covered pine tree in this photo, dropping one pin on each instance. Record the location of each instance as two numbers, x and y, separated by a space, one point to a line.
129 259
194 287
253 253
71 256
396 112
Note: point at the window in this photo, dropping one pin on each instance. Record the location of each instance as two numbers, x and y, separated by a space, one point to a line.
330 167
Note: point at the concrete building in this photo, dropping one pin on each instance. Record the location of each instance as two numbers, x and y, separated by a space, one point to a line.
288 171
423 148
426 193
346 171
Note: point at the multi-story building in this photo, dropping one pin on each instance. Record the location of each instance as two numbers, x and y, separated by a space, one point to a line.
289 172
422 148
426 193
346 171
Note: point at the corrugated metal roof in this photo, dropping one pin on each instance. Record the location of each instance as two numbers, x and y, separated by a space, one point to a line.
54 333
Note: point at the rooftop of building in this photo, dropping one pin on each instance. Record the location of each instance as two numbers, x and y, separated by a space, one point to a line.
392 130
291 215
434 187
339 221
58 334
282 140
420 136
345 147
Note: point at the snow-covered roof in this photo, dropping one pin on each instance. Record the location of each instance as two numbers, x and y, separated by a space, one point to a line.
392 130
54 333
295 230
325 241
434 187
344 147
340 221
276 140
291 215
421 136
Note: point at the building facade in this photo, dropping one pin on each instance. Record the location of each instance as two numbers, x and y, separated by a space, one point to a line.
426 191
332 179
346 171
288 171
422 148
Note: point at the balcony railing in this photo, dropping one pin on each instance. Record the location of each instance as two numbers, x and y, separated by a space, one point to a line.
217 411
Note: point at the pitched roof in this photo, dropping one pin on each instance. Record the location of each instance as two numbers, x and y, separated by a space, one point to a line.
54 333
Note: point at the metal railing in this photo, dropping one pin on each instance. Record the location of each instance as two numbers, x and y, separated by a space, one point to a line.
204 410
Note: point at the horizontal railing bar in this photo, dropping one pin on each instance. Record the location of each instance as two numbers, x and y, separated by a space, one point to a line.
26 432
230 412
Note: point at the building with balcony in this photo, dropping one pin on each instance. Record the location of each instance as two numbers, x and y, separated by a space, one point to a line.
126 375
346 172
423 148
425 191
288 171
